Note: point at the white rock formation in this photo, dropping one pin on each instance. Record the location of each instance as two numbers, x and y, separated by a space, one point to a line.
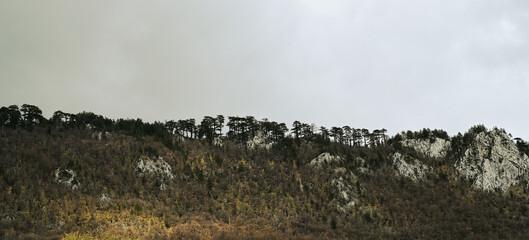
259 141
178 138
409 167
97 136
217 142
345 185
67 177
104 200
324 159
493 162
436 149
158 169
343 182
100 135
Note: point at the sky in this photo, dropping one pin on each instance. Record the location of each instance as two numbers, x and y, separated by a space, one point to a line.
388 64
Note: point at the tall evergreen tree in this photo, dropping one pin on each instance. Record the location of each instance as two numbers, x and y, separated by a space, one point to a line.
31 114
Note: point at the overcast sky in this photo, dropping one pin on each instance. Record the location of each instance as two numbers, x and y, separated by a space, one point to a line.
368 64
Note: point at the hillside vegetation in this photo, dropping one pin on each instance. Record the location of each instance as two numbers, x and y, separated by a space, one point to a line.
83 176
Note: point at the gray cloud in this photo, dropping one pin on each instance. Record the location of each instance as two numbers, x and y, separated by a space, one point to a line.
373 64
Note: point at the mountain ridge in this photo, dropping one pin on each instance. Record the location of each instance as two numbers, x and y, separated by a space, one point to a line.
87 177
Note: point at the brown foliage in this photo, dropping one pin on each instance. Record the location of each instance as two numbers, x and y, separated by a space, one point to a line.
231 193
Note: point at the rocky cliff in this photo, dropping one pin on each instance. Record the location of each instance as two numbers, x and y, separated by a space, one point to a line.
488 159
492 162
260 141
435 148
409 167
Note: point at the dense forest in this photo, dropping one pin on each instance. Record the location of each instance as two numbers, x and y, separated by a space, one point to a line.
84 176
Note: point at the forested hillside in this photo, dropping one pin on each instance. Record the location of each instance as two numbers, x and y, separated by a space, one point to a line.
84 176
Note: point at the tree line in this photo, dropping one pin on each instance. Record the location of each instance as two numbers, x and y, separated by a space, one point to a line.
240 129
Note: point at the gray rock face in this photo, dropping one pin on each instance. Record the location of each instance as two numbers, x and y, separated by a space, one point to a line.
159 170
409 167
493 162
67 177
436 149
324 159
259 141
344 183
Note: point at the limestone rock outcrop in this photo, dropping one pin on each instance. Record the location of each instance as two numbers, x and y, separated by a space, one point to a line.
259 141
217 142
100 135
324 159
409 167
67 177
492 162
346 187
158 170
437 148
